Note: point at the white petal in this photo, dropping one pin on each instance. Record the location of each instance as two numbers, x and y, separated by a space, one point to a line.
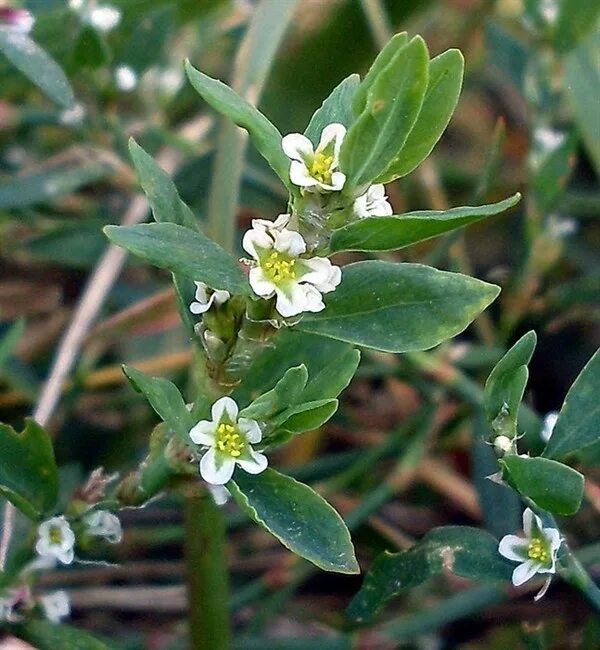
201 294
552 535
256 238
250 429
513 548
255 464
524 572
260 283
297 146
220 494
65 555
224 407
221 296
291 301
299 175
215 468
282 221
203 433
202 307
323 274
332 132
313 299
289 241
542 592
528 516
361 206
337 181
376 192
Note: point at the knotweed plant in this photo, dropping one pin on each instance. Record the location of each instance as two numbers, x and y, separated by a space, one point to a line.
276 329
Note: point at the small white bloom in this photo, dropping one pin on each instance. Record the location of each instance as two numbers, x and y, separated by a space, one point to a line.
549 9
56 539
228 440
72 116
550 420
102 523
104 18
561 227
206 297
125 78
536 552
312 170
297 283
219 493
503 444
373 203
56 605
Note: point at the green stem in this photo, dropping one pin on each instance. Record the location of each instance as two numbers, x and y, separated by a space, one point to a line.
208 588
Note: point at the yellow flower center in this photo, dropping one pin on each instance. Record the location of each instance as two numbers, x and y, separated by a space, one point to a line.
320 168
55 535
538 551
229 440
280 267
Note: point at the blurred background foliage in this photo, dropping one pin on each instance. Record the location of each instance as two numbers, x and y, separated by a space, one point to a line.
404 453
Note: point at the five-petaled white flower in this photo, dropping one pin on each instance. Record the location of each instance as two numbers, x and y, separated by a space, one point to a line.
102 523
56 606
207 297
536 552
297 283
373 203
228 439
312 170
56 540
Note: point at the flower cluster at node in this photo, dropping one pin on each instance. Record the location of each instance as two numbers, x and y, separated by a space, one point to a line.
228 441
56 606
205 298
316 170
101 523
536 552
56 540
279 271
373 203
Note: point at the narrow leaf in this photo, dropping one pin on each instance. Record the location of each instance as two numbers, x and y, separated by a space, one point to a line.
53 636
284 394
337 108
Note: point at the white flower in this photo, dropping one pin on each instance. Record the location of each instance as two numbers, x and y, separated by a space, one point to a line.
56 605
536 552
373 203
279 271
72 116
561 227
550 420
503 444
102 523
104 18
206 297
56 539
228 440
125 78
316 170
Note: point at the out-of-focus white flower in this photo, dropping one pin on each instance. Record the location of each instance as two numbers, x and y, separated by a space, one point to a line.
219 493
315 170
207 297
549 10
56 605
373 203
8 602
164 81
102 523
16 20
561 227
228 440
125 78
503 444
56 539
536 552
72 116
279 271
102 17
550 420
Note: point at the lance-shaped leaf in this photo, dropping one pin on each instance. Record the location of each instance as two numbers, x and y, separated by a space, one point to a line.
393 104
298 517
164 397
28 472
182 251
441 97
466 552
52 636
35 64
505 386
337 108
264 135
549 484
398 231
578 423
399 307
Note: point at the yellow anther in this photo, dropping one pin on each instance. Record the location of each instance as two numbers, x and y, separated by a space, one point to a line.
55 535
320 168
229 440
537 551
279 267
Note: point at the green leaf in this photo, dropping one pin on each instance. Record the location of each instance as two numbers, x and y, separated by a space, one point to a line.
578 422
337 108
551 485
167 206
392 233
399 307
576 19
9 341
264 135
310 416
52 636
35 64
555 167
298 517
466 552
441 97
164 397
285 393
183 252
392 47
506 383
393 105
28 472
